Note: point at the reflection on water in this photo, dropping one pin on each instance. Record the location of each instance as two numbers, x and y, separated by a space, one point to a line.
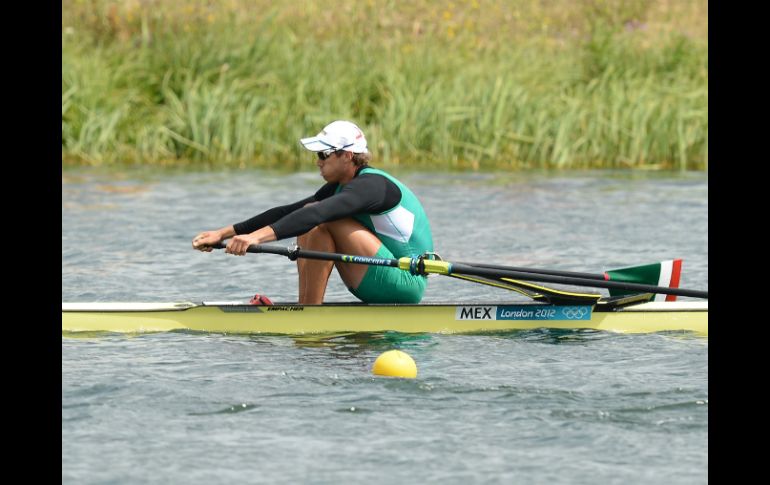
350 342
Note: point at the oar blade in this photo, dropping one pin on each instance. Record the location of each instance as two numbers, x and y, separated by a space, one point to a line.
665 273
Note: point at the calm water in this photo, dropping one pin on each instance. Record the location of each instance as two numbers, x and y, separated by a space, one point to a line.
525 407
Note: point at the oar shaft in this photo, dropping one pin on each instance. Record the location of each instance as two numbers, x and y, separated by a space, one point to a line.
459 268
555 272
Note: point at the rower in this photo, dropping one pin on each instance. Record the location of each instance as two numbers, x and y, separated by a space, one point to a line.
360 210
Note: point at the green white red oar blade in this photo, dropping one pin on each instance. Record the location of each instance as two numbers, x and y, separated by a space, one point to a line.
665 273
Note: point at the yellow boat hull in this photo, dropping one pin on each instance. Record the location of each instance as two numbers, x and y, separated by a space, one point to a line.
294 319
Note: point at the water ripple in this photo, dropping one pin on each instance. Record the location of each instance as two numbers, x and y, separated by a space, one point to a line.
486 408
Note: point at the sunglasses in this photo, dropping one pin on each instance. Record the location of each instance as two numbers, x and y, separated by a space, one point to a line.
327 153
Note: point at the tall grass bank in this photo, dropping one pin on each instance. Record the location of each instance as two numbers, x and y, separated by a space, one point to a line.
482 84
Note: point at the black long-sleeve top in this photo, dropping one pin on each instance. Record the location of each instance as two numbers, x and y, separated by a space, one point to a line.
367 193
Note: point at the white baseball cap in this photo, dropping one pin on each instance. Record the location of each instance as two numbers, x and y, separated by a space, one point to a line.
340 135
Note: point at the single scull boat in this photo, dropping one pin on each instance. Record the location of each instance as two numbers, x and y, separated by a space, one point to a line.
629 310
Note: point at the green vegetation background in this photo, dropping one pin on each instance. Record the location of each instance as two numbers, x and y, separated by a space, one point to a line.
481 84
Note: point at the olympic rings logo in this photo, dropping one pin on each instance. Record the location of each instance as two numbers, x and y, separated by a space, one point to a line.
575 312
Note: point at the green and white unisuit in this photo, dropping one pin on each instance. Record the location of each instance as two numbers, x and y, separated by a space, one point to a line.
405 232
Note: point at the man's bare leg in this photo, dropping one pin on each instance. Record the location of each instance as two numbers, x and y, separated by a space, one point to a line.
314 273
346 236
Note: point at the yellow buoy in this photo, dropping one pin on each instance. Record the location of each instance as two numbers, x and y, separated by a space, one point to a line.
395 363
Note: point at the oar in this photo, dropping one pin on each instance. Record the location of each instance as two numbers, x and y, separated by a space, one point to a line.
421 265
665 273
554 272
631 273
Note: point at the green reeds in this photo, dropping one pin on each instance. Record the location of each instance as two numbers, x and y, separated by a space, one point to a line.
238 83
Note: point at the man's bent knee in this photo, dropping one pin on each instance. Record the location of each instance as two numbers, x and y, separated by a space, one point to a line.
318 230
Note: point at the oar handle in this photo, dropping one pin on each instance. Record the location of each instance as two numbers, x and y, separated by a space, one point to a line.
295 252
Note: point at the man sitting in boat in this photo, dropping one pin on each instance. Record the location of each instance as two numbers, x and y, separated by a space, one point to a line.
360 210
